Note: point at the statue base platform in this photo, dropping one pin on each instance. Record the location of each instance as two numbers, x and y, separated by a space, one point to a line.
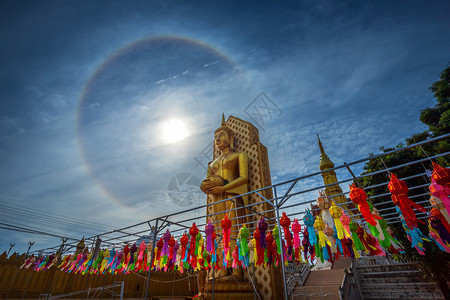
229 289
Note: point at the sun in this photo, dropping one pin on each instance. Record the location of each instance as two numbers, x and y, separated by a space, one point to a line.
174 130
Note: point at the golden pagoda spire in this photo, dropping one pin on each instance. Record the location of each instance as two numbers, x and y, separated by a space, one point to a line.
325 162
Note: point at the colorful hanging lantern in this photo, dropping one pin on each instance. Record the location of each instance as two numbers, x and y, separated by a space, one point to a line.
253 252
262 227
356 241
374 246
244 233
276 235
193 231
296 228
308 219
226 231
386 241
184 241
319 225
285 222
359 197
399 191
171 248
259 248
441 175
442 192
114 269
414 235
362 237
270 240
345 220
132 261
329 232
140 259
438 223
434 235
336 213
149 258
323 202
307 245
126 252
376 230
209 229
176 246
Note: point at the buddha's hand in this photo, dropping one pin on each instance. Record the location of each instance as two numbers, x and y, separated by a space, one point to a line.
212 185
216 190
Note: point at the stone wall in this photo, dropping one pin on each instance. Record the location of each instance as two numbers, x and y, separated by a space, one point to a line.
18 283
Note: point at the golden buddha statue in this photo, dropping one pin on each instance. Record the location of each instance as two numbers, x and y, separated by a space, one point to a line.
226 177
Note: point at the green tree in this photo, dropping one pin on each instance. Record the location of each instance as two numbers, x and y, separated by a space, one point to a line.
438 117
436 263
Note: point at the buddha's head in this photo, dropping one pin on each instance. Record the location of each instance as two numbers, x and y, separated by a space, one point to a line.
224 136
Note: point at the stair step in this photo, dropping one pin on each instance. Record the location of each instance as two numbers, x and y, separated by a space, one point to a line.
398 284
227 296
392 273
315 293
342 262
409 265
401 295
325 278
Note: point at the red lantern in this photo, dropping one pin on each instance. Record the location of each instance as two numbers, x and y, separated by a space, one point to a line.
359 196
399 191
184 241
296 228
285 222
226 230
193 231
259 249
441 175
171 245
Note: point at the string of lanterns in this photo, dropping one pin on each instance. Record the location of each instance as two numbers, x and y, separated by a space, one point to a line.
326 237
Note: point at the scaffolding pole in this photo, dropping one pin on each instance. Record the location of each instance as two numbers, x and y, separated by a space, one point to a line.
154 230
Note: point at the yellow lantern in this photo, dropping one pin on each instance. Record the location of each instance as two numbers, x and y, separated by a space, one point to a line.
336 213
319 225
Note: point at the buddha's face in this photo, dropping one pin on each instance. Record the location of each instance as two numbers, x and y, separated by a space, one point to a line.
222 139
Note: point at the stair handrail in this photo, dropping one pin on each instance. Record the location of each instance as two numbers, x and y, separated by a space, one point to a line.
302 275
357 279
350 281
344 288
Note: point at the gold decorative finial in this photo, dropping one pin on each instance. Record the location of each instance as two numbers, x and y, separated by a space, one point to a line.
320 146
325 162
223 120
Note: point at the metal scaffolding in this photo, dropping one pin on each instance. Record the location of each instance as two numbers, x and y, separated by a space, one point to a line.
293 196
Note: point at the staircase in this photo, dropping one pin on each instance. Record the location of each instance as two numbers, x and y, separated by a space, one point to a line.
323 284
384 278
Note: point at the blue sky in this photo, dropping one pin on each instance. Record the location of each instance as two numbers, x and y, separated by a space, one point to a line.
87 87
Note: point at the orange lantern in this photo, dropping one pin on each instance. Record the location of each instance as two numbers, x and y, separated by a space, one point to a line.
323 202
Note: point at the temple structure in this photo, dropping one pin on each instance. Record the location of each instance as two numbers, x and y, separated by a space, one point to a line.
334 191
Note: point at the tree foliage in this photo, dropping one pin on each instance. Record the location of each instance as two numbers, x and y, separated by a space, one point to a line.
435 263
